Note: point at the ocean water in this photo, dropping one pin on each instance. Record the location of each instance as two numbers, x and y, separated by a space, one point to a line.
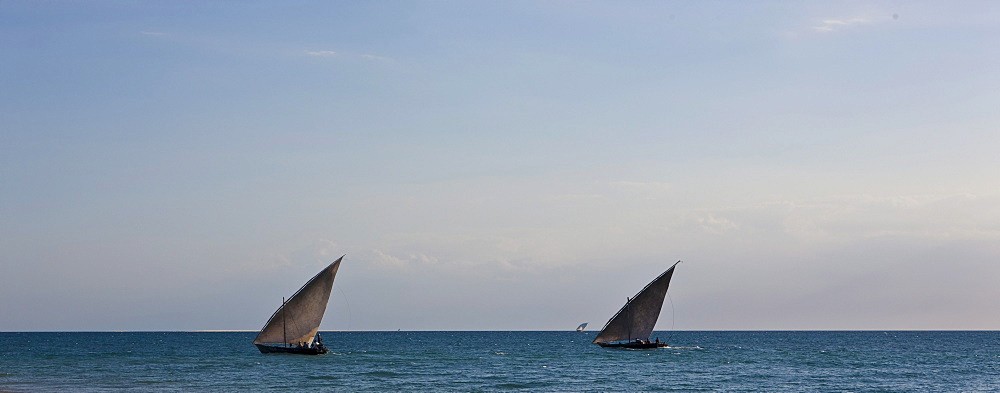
871 361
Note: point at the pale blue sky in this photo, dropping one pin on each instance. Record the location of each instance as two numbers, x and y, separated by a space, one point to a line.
500 165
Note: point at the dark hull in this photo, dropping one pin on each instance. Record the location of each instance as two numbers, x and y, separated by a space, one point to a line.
292 350
634 345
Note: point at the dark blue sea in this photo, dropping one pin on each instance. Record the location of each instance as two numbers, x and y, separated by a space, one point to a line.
778 361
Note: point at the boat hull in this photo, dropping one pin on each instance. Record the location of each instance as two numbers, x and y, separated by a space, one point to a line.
293 350
634 345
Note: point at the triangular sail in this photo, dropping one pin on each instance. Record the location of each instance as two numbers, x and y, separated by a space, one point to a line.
581 327
638 317
297 321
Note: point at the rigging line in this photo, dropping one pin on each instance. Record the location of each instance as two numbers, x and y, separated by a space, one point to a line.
348 307
670 335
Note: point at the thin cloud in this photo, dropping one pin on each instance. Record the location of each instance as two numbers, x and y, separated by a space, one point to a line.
830 25
852 218
650 185
154 33
321 53
362 56
386 259
648 189
376 58
389 260
716 225
578 198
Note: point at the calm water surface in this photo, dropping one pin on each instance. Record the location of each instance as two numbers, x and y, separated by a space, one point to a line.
908 361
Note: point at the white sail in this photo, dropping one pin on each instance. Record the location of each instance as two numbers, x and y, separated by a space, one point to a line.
298 319
638 317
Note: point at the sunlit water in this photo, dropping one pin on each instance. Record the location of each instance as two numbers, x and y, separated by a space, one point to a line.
505 361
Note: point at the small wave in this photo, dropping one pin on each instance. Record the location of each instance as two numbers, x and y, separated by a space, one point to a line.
323 377
381 374
501 353
515 385
156 382
512 386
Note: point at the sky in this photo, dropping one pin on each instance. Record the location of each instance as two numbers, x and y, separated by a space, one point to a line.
500 165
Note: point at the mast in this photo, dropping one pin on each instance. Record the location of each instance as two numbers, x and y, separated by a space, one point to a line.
628 316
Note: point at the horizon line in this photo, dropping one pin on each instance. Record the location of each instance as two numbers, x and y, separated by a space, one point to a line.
486 331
